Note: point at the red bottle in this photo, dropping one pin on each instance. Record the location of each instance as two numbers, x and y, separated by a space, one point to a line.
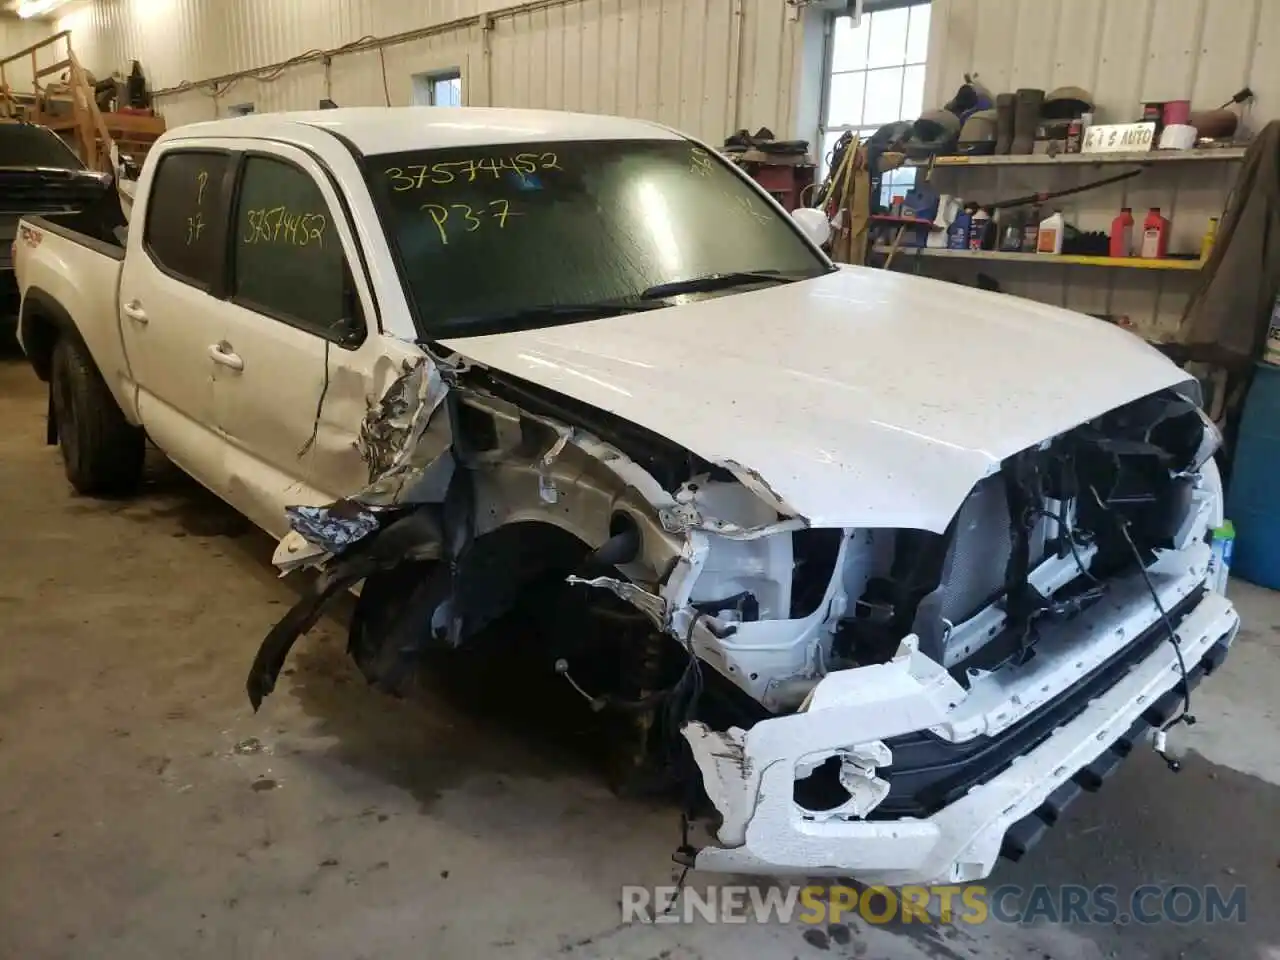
1122 234
1155 235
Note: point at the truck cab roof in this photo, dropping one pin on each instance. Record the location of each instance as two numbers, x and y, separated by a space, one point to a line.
376 130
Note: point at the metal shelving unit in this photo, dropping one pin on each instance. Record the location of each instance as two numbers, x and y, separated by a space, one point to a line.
1047 259
1068 159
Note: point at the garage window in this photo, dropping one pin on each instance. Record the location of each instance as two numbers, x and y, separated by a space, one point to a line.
287 258
183 210
876 77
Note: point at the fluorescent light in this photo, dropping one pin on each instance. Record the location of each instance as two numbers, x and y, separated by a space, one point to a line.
35 8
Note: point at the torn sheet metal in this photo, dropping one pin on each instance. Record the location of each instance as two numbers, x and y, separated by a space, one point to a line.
393 439
685 517
547 489
653 606
757 484
334 527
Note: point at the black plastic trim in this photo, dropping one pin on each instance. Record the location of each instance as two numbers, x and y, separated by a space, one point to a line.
1027 832
928 773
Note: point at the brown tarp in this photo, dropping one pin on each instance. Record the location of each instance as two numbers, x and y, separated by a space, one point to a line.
1226 319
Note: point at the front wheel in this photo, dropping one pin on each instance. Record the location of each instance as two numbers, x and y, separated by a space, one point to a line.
101 451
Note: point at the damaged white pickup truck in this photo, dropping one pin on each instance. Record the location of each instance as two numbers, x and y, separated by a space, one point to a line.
895 568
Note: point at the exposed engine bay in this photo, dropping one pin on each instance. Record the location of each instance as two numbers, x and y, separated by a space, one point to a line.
686 596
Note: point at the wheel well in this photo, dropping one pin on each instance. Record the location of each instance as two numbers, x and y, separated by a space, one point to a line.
503 563
41 322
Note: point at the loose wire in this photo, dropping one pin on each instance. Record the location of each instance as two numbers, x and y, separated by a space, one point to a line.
1186 716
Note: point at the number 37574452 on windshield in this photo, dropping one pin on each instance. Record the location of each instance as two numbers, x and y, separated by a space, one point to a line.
416 176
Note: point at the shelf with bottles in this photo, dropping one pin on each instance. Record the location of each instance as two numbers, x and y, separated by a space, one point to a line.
1047 259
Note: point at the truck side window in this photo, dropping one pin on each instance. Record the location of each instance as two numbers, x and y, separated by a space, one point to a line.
182 234
287 254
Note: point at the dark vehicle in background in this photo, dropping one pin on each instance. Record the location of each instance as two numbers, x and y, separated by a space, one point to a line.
39 174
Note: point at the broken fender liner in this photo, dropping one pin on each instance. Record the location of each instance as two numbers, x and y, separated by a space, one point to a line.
415 536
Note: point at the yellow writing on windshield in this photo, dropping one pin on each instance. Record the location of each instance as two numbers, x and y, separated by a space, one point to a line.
466 218
280 225
416 176
699 162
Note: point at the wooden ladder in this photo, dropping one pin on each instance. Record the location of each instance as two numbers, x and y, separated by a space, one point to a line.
85 127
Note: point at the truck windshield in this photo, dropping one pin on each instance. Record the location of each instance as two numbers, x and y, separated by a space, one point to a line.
520 236
26 145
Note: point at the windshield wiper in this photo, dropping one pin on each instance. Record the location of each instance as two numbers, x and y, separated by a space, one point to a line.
714 281
548 315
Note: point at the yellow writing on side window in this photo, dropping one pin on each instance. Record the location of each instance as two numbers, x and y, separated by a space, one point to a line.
280 225
466 218
416 176
195 227
202 181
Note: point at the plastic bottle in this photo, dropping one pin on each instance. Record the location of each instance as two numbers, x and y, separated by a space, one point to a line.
1155 235
1271 353
1049 239
958 234
1031 231
1223 545
978 225
1122 234
1209 239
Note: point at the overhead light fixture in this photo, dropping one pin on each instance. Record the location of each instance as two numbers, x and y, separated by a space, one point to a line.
37 8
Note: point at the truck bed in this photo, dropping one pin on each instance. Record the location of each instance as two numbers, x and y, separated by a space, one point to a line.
68 270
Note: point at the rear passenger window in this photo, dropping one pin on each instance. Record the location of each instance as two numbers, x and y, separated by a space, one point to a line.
182 215
288 258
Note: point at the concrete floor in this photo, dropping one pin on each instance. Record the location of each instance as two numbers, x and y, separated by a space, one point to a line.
145 811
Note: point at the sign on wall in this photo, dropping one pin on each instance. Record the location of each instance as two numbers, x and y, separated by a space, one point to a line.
1119 137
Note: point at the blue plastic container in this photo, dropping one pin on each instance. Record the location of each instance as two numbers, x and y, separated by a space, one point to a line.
1253 502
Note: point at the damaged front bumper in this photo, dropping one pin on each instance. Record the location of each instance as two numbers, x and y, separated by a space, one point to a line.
861 715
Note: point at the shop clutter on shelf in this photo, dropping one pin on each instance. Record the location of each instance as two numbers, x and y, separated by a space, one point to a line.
1031 127
782 167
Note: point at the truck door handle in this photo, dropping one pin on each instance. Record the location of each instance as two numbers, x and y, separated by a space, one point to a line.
222 353
133 310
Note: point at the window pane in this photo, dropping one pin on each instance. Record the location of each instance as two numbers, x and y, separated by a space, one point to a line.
449 92
918 37
912 93
884 96
485 232
846 99
888 37
288 258
181 231
849 44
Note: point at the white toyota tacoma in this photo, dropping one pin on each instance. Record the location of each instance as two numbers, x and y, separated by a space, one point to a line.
893 569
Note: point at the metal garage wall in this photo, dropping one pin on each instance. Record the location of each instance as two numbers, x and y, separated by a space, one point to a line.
1125 52
706 66
17 35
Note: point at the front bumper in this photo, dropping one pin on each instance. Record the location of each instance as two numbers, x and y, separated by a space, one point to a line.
750 776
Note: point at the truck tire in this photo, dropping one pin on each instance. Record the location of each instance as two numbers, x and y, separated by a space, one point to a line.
101 451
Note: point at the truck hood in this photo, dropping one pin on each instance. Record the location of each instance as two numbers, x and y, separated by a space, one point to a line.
862 398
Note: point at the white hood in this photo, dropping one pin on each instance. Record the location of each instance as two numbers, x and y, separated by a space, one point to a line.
863 398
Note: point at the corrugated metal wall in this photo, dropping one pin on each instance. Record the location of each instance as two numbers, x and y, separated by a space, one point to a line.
17 35
1124 52
710 66
706 66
